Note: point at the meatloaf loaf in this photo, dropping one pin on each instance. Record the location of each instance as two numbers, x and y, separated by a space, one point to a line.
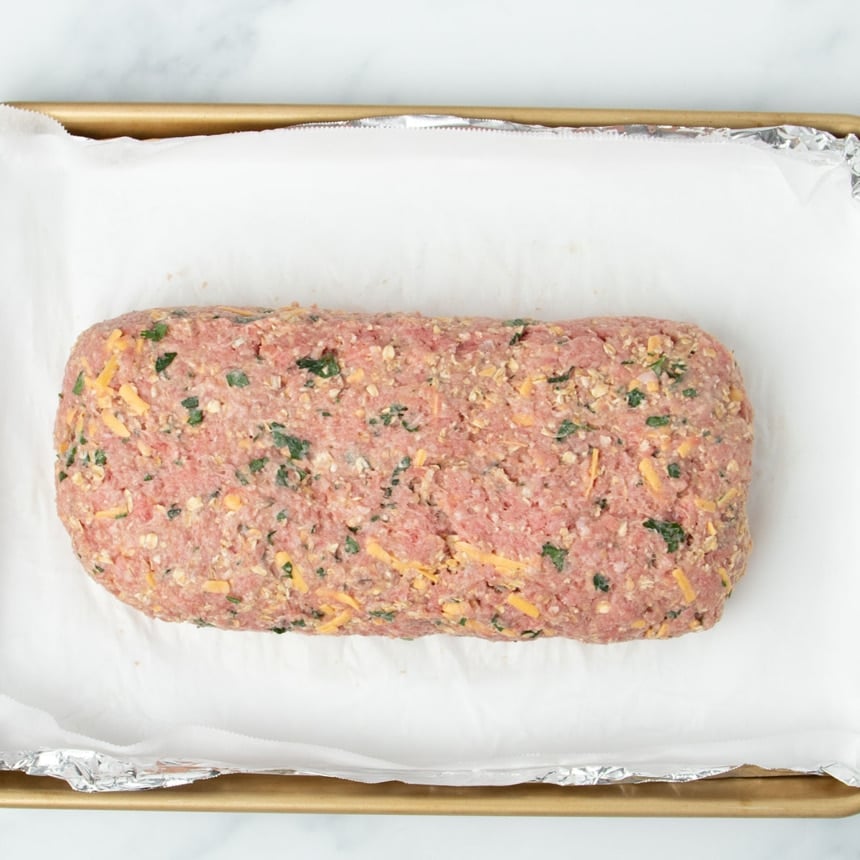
399 475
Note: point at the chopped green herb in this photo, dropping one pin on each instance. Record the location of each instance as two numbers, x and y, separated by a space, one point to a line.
320 572
380 613
690 392
391 412
278 630
401 467
672 614
240 477
673 470
298 448
70 457
190 403
516 323
269 536
556 554
282 515
531 634
671 532
282 476
148 477
635 397
287 568
78 387
233 599
237 379
601 583
603 504
62 476
562 377
517 337
173 512
659 365
496 621
156 333
195 416
628 361
676 370
657 420
325 366
121 516
462 622
299 622
98 568
200 622
99 457
164 361
565 429
351 545
258 465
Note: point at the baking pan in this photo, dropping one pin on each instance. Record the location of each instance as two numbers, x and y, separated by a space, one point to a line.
746 792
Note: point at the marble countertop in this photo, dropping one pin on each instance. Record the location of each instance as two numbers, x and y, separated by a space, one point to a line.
779 55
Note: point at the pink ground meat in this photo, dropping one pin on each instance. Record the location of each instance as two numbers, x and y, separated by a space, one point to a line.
398 475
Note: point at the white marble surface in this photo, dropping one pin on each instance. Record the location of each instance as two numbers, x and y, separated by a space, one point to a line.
733 54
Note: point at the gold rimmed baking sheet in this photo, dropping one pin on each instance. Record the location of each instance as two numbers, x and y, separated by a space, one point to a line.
747 792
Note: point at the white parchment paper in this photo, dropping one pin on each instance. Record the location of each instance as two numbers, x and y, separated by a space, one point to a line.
760 247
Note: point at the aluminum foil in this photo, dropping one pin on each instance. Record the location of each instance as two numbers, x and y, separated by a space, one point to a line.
819 146
91 771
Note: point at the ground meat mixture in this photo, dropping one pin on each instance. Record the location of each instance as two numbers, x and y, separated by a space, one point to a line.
400 475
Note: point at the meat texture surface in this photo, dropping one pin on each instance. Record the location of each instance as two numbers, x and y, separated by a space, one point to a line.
399 475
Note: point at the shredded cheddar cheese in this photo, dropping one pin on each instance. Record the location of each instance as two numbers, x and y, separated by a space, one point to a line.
129 394
103 380
523 605
114 424
216 586
232 502
526 387
240 312
334 623
592 471
684 584
649 473
112 513
114 342
500 562
685 448
729 494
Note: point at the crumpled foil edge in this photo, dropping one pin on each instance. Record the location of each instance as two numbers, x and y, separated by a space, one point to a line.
91 771
817 145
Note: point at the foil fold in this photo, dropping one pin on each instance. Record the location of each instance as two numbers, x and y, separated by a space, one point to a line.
817 145
88 771
92 771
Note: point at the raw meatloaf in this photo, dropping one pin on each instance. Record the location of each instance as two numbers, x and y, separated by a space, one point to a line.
399 475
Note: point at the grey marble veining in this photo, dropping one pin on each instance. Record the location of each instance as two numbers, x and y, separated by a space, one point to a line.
774 55
188 836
